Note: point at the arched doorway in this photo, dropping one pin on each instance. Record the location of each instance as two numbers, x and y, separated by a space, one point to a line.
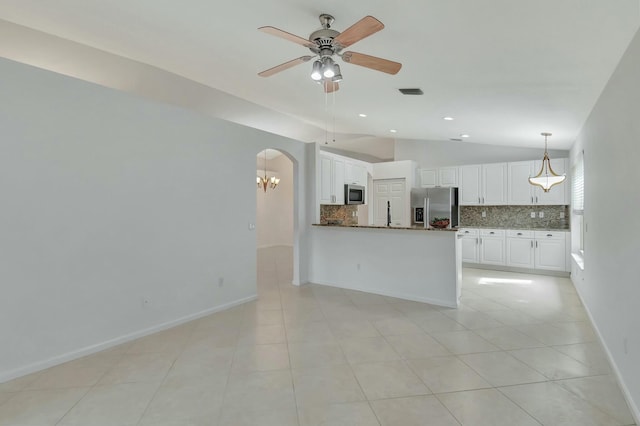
276 237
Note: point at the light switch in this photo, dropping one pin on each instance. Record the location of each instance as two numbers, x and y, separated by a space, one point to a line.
533 215
484 213
541 215
252 226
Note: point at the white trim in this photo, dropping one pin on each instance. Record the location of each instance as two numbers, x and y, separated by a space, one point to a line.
390 294
578 259
625 391
88 350
563 274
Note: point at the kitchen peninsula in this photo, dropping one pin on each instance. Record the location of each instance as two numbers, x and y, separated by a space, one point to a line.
418 264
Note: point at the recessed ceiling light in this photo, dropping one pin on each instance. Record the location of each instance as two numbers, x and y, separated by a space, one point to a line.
447 118
362 115
393 131
464 135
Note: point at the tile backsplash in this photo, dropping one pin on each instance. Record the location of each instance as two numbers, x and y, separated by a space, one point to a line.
515 217
338 215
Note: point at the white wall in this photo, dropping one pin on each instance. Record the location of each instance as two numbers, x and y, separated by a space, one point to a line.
274 222
610 284
108 199
449 153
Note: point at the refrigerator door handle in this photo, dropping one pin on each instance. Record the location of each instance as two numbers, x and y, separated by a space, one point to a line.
426 208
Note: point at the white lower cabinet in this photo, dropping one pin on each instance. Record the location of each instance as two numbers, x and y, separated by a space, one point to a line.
470 243
492 250
550 250
543 250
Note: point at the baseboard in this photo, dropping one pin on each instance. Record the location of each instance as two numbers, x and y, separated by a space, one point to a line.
562 274
268 246
88 350
625 391
391 294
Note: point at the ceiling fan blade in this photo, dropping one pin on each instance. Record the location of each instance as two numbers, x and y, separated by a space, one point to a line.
330 86
287 36
361 29
284 66
372 62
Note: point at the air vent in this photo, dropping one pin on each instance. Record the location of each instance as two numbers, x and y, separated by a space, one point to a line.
411 91
456 139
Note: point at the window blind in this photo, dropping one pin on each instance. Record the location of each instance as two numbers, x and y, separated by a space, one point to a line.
577 186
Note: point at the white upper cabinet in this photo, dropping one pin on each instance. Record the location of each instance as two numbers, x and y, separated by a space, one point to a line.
331 179
355 173
521 192
443 176
483 184
428 178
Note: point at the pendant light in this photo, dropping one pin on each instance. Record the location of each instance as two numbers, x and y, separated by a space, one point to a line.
263 182
546 177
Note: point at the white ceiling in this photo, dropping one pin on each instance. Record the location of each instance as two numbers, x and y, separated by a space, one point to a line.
506 70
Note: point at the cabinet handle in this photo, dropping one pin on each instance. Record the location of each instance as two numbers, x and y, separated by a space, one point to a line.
476 241
536 244
532 199
491 232
519 233
549 235
531 243
480 241
466 232
479 202
482 200
536 199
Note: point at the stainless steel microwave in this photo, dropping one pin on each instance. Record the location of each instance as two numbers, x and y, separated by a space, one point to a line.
354 194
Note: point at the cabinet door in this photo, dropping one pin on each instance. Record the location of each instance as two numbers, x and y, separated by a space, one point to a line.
519 190
492 250
428 178
470 248
355 173
558 195
494 184
326 181
448 177
338 181
390 191
550 251
520 252
469 180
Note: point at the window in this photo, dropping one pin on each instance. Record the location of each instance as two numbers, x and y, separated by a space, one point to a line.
577 203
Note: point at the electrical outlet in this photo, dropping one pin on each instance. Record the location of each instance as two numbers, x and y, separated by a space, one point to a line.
541 215
484 213
145 302
221 282
561 215
533 215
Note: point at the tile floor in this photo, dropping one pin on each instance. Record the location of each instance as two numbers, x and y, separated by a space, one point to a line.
519 351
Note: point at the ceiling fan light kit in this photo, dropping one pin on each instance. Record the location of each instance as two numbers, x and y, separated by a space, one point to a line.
327 43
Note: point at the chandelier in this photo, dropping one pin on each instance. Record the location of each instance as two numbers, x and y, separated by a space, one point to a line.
265 181
546 177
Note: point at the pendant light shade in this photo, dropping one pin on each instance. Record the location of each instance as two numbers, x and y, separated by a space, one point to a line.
546 177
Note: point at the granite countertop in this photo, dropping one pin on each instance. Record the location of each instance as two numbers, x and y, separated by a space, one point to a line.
410 228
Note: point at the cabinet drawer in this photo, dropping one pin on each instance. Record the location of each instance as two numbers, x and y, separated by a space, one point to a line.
492 232
550 235
519 233
468 232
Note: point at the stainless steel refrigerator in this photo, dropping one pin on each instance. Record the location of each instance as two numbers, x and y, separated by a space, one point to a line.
428 204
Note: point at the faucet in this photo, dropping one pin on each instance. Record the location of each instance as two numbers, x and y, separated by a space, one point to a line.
388 213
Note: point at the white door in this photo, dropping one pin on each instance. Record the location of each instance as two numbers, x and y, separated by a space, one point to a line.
469 181
494 184
550 251
520 191
392 191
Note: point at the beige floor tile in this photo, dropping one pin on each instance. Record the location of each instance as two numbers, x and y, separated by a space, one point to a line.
507 338
260 358
258 317
413 411
602 392
39 407
553 364
215 365
464 342
501 369
4 396
347 414
447 374
473 320
262 335
551 404
326 385
512 317
390 379
379 312
169 341
285 417
371 349
185 401
361 298
270 390
590 354
550 335
353 329
411 346
436 322
317 331
19 383
84 372
395 326
208 338
485 407
121 404
131 368
315 354
409 307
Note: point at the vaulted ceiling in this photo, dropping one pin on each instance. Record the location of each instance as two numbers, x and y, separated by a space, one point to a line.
505 70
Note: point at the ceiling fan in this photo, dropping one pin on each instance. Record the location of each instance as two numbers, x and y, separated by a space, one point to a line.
326 43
